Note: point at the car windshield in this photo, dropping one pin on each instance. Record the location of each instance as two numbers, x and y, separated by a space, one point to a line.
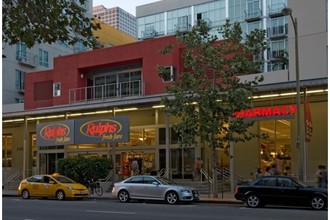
166 181
63 179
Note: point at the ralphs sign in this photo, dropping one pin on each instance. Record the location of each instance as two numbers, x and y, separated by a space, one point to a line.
55 133
83 131
102 130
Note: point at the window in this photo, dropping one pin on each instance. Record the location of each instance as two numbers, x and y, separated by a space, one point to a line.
169 74
267 182
56 89
21 53
285 182
43 58
7 148
19 81
137 179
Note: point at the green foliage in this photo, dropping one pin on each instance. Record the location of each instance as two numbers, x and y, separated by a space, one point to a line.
81 169
208 90
46 21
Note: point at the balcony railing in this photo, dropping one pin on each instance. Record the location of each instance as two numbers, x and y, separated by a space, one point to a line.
253 15
27 58
105 92
277 31
276 10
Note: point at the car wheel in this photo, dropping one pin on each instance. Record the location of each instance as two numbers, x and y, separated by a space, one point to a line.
171 197
253 201
60 195
318 203
123 196
25 194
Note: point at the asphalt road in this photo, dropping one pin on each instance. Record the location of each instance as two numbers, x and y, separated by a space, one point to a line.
50 209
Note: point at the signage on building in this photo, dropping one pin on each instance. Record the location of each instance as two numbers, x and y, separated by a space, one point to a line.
102 130
83 131
55 133
271 111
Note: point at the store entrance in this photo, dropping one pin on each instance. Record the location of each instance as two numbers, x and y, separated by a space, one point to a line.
145 163
48 162
276 149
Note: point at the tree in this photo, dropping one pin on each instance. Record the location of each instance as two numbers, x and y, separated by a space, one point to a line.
46 21
208 91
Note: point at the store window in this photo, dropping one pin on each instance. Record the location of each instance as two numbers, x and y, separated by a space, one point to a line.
7 149
276 149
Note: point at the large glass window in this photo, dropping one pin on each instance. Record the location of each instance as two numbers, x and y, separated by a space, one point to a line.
7 150
179 19
151 26
117 82
276 149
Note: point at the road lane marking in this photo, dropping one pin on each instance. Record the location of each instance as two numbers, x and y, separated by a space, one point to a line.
112 212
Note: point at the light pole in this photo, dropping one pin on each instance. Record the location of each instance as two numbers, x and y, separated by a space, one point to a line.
288 11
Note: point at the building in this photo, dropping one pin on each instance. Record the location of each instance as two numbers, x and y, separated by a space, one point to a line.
19 59
109 36
107 83
117 18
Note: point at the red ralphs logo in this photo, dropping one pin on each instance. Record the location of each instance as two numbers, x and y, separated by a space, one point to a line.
105 128
55 132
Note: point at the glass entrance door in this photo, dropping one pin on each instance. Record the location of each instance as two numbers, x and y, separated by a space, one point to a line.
48 162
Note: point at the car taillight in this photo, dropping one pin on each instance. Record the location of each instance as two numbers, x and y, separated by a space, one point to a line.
236 189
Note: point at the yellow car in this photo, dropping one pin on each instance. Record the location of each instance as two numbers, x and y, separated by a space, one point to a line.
56 186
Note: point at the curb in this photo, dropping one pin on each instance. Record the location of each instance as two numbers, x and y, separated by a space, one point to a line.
210 201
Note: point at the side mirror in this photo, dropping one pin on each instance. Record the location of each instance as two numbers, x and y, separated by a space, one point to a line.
155 183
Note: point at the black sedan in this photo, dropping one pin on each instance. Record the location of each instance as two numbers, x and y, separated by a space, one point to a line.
281 190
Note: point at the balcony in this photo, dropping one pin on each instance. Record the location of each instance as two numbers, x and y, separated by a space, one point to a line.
277 32
26 58
106 92
253 15
276 10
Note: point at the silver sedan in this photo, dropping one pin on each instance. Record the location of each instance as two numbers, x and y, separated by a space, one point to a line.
153 188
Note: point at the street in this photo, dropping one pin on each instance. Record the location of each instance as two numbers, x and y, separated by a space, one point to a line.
15 208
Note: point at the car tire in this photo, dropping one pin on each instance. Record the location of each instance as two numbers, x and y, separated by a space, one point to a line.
25 194
123 196
318 202
171 197
253 201
60 195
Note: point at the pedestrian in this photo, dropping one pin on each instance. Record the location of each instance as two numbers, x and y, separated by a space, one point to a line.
198 166
318 176
258 173
267 173
274 171
322 177
135 167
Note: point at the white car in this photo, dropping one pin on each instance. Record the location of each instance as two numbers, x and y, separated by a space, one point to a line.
153 188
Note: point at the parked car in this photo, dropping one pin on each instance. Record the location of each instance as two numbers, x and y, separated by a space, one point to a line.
146 187
281 190
56 186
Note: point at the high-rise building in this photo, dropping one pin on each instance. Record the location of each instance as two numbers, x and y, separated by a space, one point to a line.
117 18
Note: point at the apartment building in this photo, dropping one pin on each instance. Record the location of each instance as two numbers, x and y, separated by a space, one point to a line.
123 82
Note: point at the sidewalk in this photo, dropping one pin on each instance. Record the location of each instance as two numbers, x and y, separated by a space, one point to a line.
225 198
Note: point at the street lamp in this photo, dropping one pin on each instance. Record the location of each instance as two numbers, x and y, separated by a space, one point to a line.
288 11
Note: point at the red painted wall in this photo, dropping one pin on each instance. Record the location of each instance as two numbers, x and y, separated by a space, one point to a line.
68 69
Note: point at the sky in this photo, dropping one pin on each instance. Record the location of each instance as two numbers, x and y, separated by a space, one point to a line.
127 5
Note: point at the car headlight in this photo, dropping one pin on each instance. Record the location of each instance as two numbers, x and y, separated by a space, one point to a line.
70 187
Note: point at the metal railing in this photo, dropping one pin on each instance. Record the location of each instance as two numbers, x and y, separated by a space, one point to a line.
109 177
108 91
